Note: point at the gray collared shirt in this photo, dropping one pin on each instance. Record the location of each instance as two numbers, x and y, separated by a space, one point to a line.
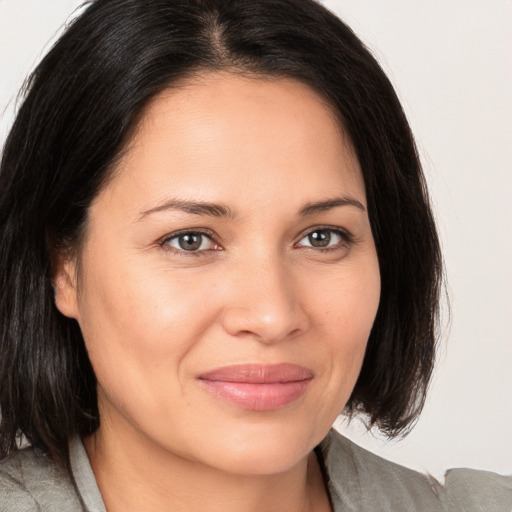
357 480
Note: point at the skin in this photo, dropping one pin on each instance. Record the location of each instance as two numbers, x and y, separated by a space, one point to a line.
155 316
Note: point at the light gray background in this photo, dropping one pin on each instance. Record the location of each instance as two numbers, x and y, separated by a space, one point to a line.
451 63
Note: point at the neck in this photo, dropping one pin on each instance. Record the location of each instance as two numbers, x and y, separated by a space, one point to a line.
134 476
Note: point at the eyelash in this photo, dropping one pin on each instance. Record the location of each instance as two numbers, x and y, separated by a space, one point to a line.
192 232
346 240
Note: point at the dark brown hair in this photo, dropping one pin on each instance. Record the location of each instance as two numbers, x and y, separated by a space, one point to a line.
81 103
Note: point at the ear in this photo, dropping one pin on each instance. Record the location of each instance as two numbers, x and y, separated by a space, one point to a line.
65 286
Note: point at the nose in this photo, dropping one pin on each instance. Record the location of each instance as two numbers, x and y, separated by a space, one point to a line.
265 304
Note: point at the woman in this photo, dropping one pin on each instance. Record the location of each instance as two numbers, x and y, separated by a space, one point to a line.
216 238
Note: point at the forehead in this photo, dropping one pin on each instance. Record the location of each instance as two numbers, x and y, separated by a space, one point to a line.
222 133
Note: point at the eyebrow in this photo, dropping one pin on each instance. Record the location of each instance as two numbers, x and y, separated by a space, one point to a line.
194 207
220 210
322 206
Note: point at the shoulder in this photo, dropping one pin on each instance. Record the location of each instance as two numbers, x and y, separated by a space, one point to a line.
471 489
361 480
30 482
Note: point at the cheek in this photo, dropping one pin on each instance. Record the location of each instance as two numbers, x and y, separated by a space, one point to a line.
136 322
130 296
350 299
347 312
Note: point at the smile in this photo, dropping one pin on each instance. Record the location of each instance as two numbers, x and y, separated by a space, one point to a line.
258 387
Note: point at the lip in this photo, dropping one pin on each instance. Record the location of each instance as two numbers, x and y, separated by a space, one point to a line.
258 387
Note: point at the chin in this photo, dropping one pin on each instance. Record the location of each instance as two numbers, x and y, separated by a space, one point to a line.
269 450
256 462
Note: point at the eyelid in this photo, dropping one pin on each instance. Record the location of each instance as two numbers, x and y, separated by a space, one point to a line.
346 236
208 233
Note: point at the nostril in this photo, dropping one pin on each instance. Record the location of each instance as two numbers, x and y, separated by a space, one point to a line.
266 328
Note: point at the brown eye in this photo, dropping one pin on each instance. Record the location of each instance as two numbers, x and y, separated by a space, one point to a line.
325 238
320 238
190 241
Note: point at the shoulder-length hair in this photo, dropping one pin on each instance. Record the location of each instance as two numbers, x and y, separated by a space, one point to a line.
80 106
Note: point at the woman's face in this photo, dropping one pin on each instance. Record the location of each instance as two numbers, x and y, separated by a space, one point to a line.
228 280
